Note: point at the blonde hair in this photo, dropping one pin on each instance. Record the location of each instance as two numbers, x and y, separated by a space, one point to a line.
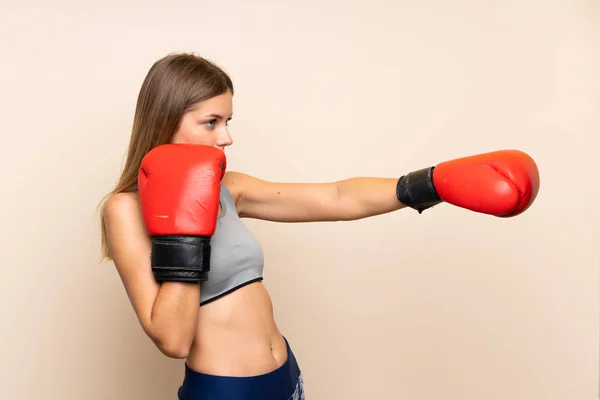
173 85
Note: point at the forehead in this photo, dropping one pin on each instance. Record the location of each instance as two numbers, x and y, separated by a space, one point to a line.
218 104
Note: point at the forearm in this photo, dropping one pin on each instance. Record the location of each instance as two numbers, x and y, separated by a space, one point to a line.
174 317
366 197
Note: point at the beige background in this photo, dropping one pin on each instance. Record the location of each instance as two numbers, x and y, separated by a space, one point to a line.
444 305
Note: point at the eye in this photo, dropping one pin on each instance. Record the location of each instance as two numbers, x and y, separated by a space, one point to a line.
228 121
211 123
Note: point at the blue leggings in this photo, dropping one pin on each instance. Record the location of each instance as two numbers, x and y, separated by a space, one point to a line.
284 383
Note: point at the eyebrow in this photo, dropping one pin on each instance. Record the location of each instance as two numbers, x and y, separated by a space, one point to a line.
216 116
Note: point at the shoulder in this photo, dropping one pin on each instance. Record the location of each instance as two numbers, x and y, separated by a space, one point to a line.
240 184
126 234
120 203
120 208
245 190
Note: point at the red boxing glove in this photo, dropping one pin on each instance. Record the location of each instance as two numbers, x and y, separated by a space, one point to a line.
502 183
179 187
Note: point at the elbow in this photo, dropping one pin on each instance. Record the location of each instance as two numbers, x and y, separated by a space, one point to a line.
171 345
173 348
175 351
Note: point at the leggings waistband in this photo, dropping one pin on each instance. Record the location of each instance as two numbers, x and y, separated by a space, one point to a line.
280 384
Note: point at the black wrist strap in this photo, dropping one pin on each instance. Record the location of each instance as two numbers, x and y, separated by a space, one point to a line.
416 190
180 258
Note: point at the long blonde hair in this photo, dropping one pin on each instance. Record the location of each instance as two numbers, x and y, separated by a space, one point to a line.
173 85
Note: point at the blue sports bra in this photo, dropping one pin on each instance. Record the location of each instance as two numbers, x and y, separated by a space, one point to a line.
236 256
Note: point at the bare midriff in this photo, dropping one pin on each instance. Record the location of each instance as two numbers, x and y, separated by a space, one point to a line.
237 335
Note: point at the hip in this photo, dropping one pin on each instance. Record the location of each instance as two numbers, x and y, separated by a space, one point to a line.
283 383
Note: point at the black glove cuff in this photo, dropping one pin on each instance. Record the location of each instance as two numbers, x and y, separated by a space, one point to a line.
416 190
180 258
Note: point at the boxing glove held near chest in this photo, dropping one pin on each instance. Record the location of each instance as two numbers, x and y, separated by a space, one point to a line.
502 183
179 187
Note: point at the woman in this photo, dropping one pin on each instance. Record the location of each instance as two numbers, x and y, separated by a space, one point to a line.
226 333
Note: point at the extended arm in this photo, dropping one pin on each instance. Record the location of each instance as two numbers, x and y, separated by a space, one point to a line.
366 197
503 183
343 200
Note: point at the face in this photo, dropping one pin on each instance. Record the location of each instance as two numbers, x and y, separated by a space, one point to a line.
207 123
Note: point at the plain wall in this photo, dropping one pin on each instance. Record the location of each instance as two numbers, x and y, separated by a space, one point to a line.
448 304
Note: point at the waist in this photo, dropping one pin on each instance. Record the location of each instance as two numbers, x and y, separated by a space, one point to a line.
237 335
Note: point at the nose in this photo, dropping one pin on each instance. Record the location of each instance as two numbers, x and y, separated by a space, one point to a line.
224 139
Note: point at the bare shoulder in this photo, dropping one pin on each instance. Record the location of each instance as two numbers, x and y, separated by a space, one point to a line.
125 229
239 184
122 207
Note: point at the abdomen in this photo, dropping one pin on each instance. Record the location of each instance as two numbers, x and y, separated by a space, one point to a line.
237 335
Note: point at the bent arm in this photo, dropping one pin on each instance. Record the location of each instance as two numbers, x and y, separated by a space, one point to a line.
167 312
174 317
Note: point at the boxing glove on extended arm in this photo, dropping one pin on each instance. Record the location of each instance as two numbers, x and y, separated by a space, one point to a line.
179 187
502 183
